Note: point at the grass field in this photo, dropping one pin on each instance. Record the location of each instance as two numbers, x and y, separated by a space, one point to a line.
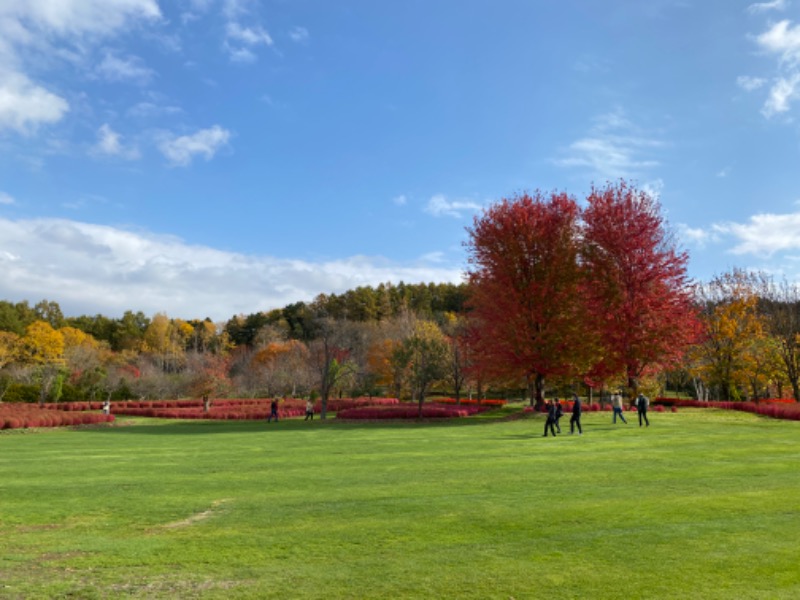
703 504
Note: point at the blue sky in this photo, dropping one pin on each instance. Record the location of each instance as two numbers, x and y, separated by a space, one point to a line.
206 158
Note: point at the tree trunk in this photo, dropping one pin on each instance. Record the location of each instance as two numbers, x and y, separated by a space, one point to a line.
539 386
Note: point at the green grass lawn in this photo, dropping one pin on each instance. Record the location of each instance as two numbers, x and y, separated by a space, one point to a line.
703 504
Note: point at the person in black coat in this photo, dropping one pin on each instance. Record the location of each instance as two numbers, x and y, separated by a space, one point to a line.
551 418
642 402
575 419
559 413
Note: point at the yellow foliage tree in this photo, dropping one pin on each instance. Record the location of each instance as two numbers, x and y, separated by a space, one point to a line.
9 346
41 343
734 334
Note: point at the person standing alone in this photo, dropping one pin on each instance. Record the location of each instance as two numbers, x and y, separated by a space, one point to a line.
273 411
575 419
309 410
642 403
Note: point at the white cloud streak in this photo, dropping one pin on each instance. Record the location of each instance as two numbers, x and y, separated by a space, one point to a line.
750 84
53 30
781 40
114 68
6 199
241 42
764 234
24 105
299 35
109 143
440 206
760 7
93 269
180 151
613 148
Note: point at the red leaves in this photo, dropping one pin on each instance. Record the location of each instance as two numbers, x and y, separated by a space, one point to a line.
525 277
556 295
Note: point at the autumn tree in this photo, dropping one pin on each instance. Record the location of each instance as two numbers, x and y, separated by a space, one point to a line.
427 349
208 376
526 290
639 295
731 331
330 356
281 366
41 344
165 340
459 359
780 306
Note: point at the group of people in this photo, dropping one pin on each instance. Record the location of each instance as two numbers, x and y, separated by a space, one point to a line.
273 411
642 403
555 411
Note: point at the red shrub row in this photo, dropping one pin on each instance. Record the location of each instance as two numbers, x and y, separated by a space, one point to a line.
20 416
410 411
776 410
472 402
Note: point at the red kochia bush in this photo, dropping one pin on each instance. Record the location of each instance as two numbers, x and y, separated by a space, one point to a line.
780 410
19 416
410 411
470 401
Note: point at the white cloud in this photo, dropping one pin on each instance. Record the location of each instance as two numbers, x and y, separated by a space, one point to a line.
724 172
760 7
241 42
613 148
400 200
781 95
782 39
79 17
764 234
696 237
109 143
114 68
48 31
440 206
181 150
750 84
251 36
91 269
24 105
150 109
299 34
6 199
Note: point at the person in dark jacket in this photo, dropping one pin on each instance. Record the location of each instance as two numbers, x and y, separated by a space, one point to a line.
551 418
273 411
575 419
642 402
559 414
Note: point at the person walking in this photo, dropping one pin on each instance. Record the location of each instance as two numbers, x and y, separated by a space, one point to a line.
551 418
575 419
642 404
309 410
273 411
559 414
616 404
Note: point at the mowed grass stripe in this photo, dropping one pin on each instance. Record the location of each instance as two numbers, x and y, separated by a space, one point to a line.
703 504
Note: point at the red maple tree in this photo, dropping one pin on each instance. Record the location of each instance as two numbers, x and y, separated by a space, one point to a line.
640 296
527 316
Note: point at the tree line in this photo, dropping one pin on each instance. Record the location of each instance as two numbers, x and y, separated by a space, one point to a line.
559 297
